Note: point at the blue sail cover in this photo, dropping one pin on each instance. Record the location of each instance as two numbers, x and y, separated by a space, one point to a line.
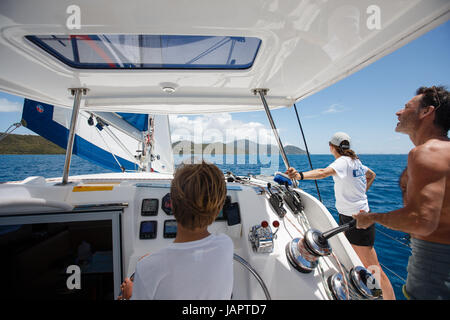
39 119
139 121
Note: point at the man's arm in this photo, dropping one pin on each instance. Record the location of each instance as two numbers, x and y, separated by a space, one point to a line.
425 196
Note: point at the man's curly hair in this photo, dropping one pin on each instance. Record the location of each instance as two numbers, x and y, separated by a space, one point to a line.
198 193
437 96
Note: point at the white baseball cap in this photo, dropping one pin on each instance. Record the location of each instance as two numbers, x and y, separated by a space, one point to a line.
341 139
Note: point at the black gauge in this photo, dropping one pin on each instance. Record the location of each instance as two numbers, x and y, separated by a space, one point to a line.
166 204
148 230
232 214
149 207
170 228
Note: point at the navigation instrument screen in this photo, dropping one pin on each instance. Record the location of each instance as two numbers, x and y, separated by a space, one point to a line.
170 228
149 207
148 230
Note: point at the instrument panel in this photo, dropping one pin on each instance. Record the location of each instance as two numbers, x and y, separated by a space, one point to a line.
148 229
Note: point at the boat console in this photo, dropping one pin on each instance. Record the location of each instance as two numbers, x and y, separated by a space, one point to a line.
267 245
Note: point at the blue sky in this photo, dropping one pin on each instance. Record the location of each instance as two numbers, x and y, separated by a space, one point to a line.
363 104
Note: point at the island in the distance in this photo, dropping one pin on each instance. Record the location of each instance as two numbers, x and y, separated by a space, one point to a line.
34 144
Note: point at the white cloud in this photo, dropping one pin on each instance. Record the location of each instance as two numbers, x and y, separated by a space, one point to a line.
334 108
9 106
218 127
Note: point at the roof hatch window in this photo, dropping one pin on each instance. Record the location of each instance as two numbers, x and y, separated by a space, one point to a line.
150 51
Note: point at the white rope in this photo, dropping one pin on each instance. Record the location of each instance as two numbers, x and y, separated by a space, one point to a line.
387 235
109 148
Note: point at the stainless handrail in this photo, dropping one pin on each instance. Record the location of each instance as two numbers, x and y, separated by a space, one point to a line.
262 93
77 93
243 262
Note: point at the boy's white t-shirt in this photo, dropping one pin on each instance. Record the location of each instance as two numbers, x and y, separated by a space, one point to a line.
195 270
350 185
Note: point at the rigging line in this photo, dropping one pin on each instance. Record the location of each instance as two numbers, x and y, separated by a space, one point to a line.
92 43
387 235
6 133
303 220
211 49
307 151
301 233
285 227
340 266
109 148
16 125
395 274
110 46
233 42
324 282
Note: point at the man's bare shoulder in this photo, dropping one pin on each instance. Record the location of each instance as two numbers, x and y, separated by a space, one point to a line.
433 154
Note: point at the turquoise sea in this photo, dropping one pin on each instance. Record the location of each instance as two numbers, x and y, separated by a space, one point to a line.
392 247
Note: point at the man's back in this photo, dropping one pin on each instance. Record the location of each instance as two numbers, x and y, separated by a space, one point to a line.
194 270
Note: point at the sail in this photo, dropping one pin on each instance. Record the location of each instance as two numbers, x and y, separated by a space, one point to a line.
162 147
116 141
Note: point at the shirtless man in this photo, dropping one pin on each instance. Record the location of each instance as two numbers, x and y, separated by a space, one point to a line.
426 194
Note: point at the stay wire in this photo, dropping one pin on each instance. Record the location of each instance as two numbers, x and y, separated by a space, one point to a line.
394 239
307 151
7 132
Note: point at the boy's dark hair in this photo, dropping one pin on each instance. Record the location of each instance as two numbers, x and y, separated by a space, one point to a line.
437 97
197 193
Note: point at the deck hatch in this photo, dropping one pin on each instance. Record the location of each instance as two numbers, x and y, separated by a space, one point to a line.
119 51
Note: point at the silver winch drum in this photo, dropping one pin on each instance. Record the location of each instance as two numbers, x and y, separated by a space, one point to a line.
365 283
337 287
297 259
314 244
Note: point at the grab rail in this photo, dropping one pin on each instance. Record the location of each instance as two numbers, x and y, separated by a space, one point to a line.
254 273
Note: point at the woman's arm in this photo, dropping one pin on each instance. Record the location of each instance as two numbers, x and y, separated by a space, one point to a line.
370 177
310 175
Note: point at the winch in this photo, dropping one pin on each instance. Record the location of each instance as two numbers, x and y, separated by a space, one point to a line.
303 253
365 283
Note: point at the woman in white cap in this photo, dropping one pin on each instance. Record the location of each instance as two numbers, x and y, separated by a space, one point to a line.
352 179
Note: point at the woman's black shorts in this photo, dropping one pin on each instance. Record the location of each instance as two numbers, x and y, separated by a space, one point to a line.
358 237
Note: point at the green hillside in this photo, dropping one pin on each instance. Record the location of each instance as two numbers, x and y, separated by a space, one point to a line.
28 144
